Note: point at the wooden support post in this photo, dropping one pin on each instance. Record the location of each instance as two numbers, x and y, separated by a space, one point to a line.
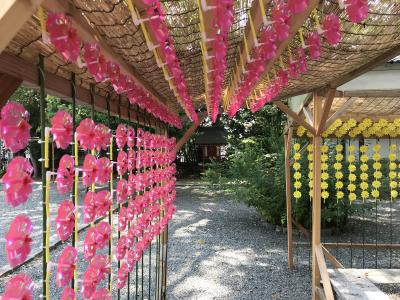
316 202
295 116
9 85
324 273
13 15
288 139
189 133
325 113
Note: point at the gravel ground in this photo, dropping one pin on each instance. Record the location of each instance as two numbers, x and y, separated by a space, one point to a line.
219 249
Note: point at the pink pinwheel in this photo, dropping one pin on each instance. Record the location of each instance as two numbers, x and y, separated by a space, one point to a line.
297 6
331 27
68 294
283 77
89 170
130 135
314 45
131 160
103 232
301 61
103 202
20 286
65 219
102 137
85 134
101 74
357 10
61 129
122 190
14 126
101 294
18 239
122 162
280 17
89 210
268 44
292 70
102 171
122 276
66 265
120 136
63 36
65 174
89 244
113 71
119 85
18 181
121 248
122 218
96 272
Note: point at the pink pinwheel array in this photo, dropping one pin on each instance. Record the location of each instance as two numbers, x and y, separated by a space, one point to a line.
154 184
223 19
122 162
66 265
101 294
278 30
20 286
157 23
64 38
61 129
18 181
65 174
14 126
122 190
18 239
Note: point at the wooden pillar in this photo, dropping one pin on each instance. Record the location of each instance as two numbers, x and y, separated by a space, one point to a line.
288 138
316 201
9 85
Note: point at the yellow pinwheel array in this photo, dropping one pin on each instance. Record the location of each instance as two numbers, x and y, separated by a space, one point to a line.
376 184
392 172
324 174
351 187
338 172
310 159
296 174
363 174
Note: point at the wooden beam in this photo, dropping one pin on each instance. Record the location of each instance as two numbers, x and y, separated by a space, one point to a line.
89 34
287 141
325 112
8 85
316 203
308 115
334 261
27 73
362 246
13 15
369 94
189 133
339 112
324 273
294 116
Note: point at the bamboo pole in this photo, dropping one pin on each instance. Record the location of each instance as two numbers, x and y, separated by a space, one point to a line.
316 202
44 193
287 141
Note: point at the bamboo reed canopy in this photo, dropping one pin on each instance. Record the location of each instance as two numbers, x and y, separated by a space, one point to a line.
374 40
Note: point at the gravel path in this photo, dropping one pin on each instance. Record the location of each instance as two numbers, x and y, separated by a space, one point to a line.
219 249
